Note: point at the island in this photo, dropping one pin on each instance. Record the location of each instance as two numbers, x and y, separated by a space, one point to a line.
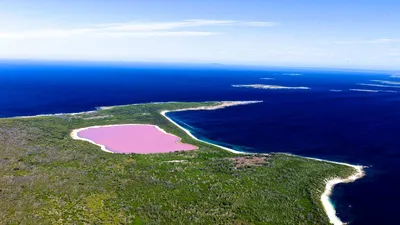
372 91
263 86
51 173
386 82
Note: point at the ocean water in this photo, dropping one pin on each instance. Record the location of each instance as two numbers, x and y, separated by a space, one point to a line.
354 126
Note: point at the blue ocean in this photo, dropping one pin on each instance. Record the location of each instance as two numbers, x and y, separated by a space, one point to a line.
345 115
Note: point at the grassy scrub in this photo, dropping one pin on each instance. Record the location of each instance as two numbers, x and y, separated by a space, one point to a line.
46 177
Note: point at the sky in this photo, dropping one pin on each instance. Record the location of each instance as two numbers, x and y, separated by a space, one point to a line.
345 34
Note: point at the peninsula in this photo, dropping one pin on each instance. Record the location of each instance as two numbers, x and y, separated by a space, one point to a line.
48 177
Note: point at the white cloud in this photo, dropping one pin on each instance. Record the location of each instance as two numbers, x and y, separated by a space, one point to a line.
135 29
383 41
156 26
259 24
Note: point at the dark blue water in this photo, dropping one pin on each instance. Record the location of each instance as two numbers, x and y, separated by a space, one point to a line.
355 127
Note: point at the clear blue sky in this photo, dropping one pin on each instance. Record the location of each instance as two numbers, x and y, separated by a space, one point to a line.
341 33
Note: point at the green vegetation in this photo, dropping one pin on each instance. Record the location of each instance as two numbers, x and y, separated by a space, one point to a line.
46 177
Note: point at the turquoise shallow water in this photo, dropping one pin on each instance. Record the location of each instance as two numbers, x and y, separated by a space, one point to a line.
352 126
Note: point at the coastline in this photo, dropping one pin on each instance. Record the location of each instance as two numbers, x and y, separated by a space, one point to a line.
51 114
218 106
330 183
329 208
195 138
223 104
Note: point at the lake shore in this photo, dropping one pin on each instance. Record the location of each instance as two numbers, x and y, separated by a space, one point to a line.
174 143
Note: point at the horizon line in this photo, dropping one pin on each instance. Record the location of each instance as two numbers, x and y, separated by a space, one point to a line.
227 64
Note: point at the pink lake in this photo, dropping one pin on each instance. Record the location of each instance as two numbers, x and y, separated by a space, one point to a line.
133 138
